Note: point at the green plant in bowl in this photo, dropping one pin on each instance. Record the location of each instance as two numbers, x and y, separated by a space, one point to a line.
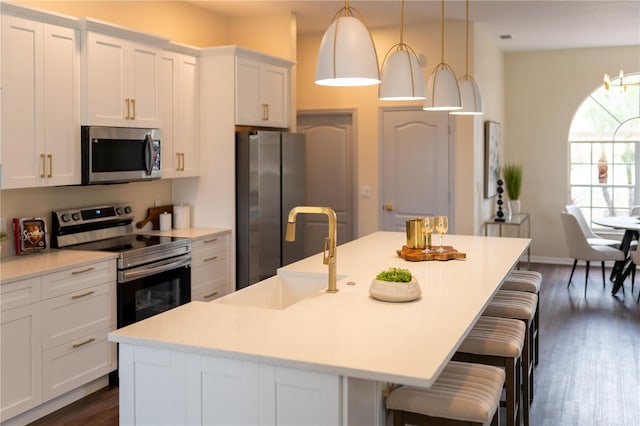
397 275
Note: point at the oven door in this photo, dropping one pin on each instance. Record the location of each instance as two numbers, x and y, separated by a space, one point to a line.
150 289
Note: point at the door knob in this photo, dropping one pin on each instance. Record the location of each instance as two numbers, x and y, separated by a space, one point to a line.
388 207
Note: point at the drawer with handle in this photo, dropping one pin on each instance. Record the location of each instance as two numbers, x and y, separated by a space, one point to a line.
71 316
78 278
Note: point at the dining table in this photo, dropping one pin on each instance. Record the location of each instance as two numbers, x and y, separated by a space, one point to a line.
631 227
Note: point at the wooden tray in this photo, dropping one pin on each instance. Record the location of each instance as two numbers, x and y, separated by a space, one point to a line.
417 255
153 216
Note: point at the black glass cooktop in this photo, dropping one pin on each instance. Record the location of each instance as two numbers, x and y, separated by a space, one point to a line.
125 243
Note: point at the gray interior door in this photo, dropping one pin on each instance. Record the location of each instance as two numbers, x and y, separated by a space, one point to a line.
329 164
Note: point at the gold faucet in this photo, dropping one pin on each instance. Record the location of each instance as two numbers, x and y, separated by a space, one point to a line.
329 242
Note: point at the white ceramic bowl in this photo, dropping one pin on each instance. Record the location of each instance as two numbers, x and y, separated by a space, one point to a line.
389 291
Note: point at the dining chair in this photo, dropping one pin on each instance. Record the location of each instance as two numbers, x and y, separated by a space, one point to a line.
592 237
581 249
634 255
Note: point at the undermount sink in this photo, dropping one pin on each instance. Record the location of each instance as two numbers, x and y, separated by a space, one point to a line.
279 291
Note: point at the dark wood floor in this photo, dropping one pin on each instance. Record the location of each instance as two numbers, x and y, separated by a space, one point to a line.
589 371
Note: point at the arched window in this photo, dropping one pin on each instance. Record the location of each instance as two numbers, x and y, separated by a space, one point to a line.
605 150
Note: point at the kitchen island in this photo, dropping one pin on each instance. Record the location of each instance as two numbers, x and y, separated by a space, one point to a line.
253 357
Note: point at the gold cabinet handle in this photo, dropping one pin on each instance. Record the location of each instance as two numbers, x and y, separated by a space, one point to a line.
182 157
133 108
82 271
128 116
213 240
265 111
42 174
86 342
388 207
80 296
209 296
209 259
178 158
50 157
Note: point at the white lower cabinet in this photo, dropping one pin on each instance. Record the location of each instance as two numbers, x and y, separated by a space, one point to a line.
54 334
210 268
163 387
20 360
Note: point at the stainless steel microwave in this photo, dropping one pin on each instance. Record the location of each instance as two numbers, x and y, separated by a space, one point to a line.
120 154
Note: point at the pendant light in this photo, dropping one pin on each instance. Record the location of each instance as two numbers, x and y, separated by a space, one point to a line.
402 78
347 55
442 89
469 92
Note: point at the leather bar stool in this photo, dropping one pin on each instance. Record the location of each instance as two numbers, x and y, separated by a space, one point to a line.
463 394
498 342
519 305
529 281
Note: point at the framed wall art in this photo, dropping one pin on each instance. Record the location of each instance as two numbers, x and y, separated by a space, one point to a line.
491 158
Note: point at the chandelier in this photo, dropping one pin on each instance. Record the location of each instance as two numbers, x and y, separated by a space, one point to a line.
623 86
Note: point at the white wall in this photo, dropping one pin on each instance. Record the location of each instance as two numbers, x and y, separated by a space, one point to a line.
544 90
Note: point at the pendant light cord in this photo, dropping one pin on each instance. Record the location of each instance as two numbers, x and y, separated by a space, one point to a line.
466 66
442 35
402 23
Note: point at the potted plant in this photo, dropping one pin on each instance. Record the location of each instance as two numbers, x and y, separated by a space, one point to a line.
395 285
512 174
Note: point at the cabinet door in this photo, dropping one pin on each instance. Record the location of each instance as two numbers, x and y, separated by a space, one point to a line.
105 103
20 360
142 79
188 135
61 105
168 110
262 94
23 149
122 83
249 109
42 99
275 94
179 105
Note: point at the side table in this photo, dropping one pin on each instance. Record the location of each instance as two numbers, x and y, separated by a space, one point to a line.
518 221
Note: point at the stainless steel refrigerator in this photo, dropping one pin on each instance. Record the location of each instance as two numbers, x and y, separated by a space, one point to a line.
270 180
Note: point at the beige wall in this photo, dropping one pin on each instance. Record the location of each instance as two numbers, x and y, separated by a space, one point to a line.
544 91
179 21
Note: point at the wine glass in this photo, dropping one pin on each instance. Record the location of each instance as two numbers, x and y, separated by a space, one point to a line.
441 225
429 223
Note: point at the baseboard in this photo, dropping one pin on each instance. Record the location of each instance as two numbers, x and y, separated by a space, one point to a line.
57 403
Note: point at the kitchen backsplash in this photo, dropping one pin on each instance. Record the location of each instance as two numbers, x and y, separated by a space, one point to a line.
40 202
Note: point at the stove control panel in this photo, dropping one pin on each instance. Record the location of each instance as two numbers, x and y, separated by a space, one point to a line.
89 215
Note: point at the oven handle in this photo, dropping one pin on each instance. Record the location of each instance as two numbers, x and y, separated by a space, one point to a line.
147 270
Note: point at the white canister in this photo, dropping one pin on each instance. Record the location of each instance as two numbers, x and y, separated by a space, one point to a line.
181 216
165 221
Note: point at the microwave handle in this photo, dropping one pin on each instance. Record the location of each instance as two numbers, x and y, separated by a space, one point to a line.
148 154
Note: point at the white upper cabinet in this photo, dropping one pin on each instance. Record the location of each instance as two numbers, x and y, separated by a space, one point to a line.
40 100
262 90
180 111
120 76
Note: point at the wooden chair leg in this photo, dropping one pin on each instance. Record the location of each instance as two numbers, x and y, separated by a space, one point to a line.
575 262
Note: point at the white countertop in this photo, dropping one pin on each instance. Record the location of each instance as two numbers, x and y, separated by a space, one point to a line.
349 333
192 233
52 260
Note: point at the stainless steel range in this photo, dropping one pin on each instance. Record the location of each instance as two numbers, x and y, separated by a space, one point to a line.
154 272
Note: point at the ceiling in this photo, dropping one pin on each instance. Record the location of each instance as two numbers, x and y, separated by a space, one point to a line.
532 25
